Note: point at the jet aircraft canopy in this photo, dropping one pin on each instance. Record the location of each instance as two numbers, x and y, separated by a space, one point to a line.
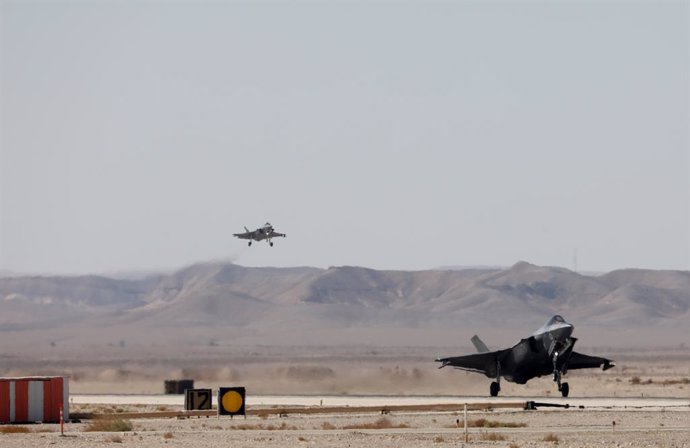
555 319
554 323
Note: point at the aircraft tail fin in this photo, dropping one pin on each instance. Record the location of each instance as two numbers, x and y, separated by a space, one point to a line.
479 344
246 229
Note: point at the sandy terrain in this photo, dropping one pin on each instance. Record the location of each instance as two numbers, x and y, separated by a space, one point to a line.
343 372
572 428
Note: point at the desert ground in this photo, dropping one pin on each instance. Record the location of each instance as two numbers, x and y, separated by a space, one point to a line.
501 428
646 375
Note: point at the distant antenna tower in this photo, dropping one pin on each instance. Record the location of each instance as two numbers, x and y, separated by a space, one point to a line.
575 260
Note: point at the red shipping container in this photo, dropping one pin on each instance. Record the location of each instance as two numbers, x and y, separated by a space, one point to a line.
33 399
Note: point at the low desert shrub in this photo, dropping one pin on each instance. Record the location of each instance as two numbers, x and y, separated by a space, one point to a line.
493 437
109 425
484 423
382 423
551 438
327 426
14 430
271 427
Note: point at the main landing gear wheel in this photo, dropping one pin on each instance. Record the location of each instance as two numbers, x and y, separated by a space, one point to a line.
250 243
495 387
270 244
565 389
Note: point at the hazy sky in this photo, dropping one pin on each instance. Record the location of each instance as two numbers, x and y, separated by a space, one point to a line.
390 134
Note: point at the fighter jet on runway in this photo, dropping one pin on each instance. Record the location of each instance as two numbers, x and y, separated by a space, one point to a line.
548 351
262 233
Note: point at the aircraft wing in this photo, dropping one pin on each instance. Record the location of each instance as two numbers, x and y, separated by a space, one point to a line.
275 234
580 361
246 235
485 363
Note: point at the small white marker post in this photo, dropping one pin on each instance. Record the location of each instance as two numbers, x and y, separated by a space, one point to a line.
466 437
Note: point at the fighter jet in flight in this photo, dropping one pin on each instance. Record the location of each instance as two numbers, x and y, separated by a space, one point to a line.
549 350
262 233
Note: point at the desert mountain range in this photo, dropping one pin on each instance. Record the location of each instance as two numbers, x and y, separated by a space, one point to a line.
224 303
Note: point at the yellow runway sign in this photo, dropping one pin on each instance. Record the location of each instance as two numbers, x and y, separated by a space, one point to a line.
231 401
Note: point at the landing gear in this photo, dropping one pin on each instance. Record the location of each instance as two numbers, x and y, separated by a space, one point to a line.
270 243
495 387
560 348
565 389
250 243
562 388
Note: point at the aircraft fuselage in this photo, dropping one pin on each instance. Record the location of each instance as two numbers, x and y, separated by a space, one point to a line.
549 350
534 356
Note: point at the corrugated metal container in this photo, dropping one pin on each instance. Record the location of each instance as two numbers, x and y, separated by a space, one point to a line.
178 386
33 399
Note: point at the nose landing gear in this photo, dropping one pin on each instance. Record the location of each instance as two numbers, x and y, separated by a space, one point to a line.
563 388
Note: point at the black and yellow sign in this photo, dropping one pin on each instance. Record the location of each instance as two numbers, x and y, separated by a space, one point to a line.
197 399
231 401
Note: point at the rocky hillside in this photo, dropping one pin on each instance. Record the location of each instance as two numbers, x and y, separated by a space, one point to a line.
220 303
